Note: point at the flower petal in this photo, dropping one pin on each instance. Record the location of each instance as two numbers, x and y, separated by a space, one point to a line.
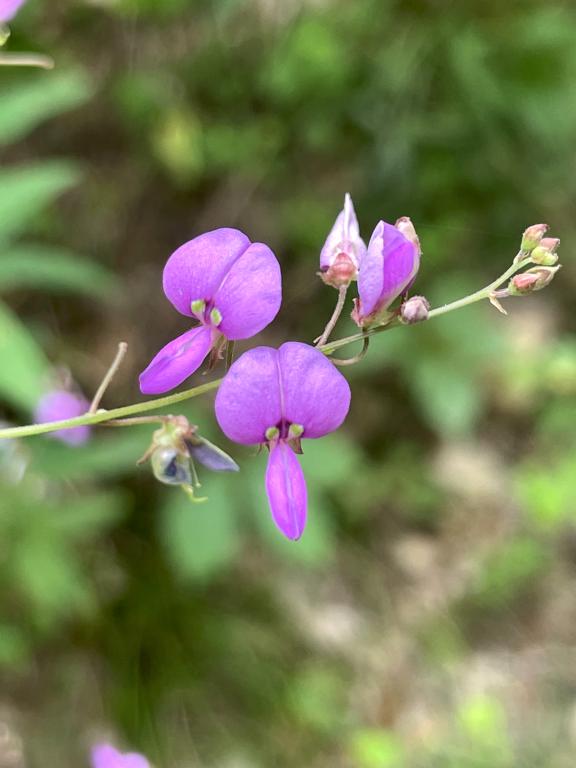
197 268
345 231
176 361
248 400
105 756
286 489
387 268
9 9
315 394
59 405
251 293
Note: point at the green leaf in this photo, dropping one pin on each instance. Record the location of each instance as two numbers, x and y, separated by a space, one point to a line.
105 455
29 103
377 748
24 368
45 268
200 539
25 191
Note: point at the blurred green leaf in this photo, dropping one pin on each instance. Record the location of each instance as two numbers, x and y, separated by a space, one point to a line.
26 190
377 748
200 539
24 369
53 269
30 102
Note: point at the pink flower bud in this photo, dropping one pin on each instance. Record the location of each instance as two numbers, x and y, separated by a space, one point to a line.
543 256
532 237
343 248
415 310
550 243
532 280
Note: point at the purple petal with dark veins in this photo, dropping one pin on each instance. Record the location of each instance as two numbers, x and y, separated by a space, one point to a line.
177 361
315 394
248 400
387 269
196 270
286 489
59 405
251 293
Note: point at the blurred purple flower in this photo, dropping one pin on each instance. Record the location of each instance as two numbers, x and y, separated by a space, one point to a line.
58 405
106 756
9 9
277 397
232 286
387 269
343 249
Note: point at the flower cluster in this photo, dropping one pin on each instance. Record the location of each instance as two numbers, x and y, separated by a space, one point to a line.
384 270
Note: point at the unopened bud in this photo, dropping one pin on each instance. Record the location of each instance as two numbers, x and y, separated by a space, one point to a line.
404 226
543 256
550 243
415 310
533 280
532 237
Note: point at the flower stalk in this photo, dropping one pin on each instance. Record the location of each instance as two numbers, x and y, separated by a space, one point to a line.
128 411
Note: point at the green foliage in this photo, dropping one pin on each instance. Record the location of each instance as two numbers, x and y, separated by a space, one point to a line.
374 748
22 361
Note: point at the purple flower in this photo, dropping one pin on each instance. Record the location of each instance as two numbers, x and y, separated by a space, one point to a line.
9 9
58 405
232 286
387 269
277 397
106 756
343 249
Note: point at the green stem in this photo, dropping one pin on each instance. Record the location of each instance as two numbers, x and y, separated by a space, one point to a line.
164 402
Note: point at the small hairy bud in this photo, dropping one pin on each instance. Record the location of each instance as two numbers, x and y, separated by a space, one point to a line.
532 237
533 280
415 310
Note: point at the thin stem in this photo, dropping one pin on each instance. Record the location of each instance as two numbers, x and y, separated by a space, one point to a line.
26 60
321 340
101 391
116 413
164 402
135 420
357 358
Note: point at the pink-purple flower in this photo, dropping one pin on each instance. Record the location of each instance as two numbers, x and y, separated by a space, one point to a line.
9 9
343 249
58 405
107 756
387 269
277 397
231 286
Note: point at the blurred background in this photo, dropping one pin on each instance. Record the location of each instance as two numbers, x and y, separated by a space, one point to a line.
428 617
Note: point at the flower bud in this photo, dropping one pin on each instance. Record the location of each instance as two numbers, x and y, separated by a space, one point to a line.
550 243
405 226
533 280
415 310
543 256
532 237
343 249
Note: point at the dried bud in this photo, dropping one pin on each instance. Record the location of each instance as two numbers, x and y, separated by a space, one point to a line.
405 226
532 237
415 310
533 280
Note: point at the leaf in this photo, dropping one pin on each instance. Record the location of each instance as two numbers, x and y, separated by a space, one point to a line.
200 539
25 191
105 455
23 367
45 268
29 103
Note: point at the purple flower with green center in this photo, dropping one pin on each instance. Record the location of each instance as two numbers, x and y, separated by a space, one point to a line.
343 249
58 405
388 267
106 756
9 9
232 286
277 397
